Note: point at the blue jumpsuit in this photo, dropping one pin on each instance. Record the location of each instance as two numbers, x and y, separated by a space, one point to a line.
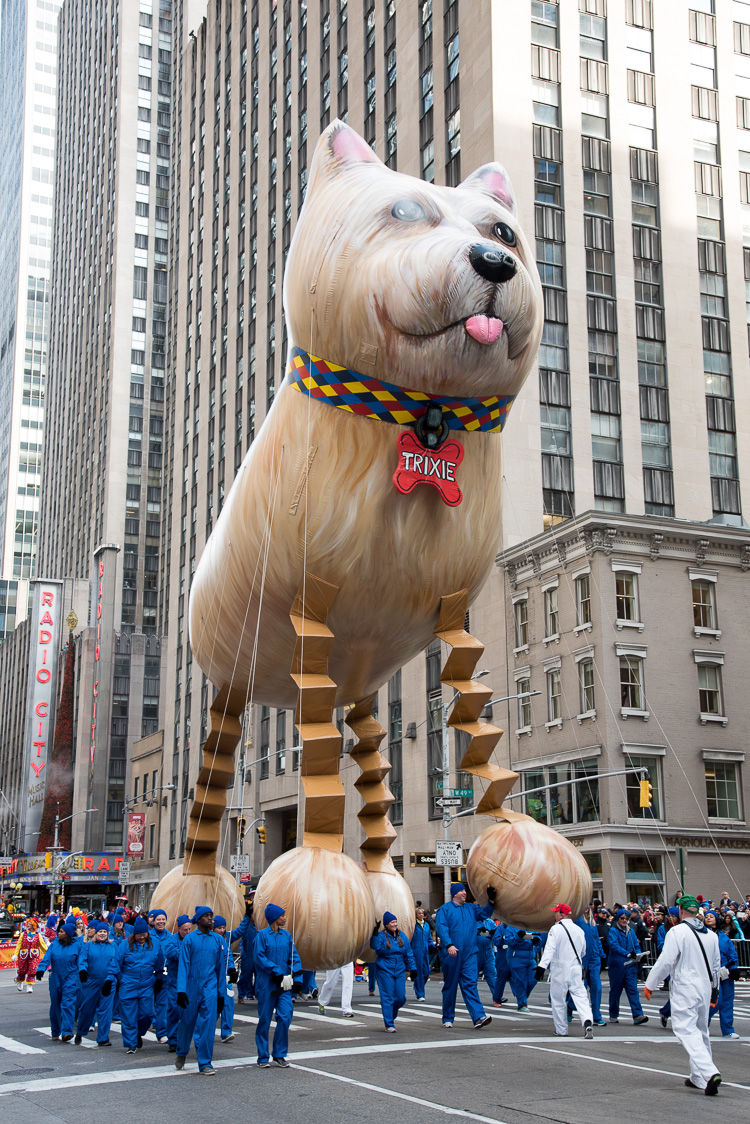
64 985
522 963
274 955
394 958
161 1000
502 967
623 972
137 970
592 967
421 943
96 958
457 925
172 960
486 953
227 1014
201 976
666 1010
116 938
372 977
246 982
725 1006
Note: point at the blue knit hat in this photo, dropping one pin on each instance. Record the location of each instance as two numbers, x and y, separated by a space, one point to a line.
274 912
52 921
201 911
456 888
621 913
388 917
183 919
157 912
101 925
140 926
70 929
219 921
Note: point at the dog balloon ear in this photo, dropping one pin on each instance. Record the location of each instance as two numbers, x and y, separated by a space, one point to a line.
348 147
492 179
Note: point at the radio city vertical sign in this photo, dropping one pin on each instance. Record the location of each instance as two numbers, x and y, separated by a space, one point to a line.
41 705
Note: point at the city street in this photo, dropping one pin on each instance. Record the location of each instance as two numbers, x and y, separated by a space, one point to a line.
514 1071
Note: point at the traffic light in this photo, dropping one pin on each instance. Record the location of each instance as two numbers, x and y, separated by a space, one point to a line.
48 860
241 827
647 790
261 829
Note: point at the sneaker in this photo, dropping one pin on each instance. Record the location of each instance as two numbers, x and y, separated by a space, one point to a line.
55 1038
229 1038
613 1019
207 1071
599 1022
66 1037
162 1038
107 1043
733 1035
500 1003
524 1008
421 999
19 987
263 1065
447 1024
482 1022
78 1040
321 1008
282 1063
570 1017
690 1084
588 1030
179 1061
29 989
348 1014
640 1020
314 993
664 1019
131 1050
712 1087
561 1033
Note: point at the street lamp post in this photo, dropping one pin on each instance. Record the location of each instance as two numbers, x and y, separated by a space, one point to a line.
56 845
137 800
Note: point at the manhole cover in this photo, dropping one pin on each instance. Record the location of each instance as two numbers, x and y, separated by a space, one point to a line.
30 1072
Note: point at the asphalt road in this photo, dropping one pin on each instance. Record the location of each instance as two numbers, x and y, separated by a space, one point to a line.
513 1072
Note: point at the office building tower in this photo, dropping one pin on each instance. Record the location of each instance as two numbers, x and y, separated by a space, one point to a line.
624 126
28 99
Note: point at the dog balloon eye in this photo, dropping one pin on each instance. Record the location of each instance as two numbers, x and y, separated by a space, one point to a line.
502 231
407 210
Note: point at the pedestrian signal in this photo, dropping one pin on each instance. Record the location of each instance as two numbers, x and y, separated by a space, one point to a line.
647 790
261 834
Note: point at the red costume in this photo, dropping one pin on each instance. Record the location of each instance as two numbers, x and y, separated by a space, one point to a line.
29 950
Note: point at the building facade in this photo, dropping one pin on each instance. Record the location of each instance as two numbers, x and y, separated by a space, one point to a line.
28 103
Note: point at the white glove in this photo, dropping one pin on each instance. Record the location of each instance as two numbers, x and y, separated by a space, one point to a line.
723 973
286 983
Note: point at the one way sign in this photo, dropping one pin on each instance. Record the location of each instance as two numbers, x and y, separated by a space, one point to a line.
449 801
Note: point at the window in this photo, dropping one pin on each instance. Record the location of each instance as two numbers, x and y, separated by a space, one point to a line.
633 787
586 683
626 596
550 613
554 695
583 600
644 879
576 800
523 687
395 780
265 739
555 425
280 741
151 840
709 689
631 683
136 783
723 790
704 612
521 617
605 437
655 444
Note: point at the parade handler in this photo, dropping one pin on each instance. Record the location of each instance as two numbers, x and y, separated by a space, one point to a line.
456 926
691 957
278 973
563 955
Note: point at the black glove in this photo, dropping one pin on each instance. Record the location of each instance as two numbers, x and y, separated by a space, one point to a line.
219 1004
413 974
521 934
182 999
539 972
40 976
535 940
83 975
233 975
276 978
491 894
633 956
375 928
296 987
734 973
248 909
107 987
157 986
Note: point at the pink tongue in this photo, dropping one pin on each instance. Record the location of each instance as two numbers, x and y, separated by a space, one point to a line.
484 329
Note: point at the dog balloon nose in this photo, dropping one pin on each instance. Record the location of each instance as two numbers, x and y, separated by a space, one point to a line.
492 263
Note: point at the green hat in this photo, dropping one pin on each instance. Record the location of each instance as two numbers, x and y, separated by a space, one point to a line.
688 903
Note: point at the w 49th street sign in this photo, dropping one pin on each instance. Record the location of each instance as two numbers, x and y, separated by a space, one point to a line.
462 792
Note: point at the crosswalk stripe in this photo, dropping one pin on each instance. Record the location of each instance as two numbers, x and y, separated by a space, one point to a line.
15 1047
47 1032
254 1020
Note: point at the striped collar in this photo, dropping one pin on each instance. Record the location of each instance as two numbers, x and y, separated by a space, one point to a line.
384 401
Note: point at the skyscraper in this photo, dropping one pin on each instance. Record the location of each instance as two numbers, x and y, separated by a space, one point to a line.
28 81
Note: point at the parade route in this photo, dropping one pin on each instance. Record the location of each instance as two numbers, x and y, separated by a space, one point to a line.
514 1072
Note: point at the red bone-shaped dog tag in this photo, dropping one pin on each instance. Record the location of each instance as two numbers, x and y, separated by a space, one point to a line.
438 467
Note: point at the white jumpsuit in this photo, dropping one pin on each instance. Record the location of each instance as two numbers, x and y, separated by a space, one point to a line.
690 991
565 973
347 985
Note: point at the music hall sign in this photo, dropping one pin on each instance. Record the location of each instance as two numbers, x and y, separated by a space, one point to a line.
41 704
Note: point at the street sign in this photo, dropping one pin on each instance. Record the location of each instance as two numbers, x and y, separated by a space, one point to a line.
124 873
448 852
449 801
462 792
239 864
